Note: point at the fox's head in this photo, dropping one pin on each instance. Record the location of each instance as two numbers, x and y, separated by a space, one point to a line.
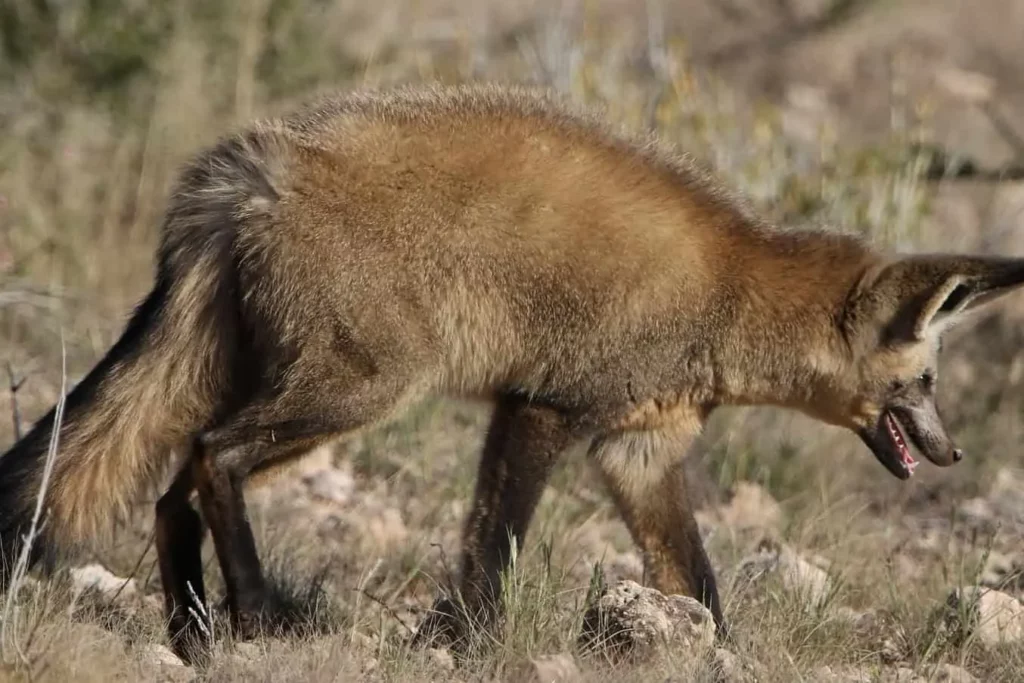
891 325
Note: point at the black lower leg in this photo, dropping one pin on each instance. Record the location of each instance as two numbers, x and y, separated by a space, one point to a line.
179 539
257 437
703 578
522 446
319 403
223 505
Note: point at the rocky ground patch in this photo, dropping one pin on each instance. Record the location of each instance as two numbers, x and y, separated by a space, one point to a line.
624 624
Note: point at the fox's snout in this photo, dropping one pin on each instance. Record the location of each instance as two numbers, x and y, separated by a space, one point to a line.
899 427
928 433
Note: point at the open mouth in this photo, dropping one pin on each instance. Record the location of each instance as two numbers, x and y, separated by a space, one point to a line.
899 443
888 442
890 434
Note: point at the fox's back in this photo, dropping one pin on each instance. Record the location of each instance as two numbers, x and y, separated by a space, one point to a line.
480 223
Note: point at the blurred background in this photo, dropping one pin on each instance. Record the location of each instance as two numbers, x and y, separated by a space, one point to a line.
899 119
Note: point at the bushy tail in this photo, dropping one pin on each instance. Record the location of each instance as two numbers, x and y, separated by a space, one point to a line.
164 379
155 386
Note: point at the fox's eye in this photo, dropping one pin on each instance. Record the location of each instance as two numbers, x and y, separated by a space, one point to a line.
926 378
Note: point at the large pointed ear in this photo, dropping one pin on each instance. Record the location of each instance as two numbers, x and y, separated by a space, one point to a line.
922 296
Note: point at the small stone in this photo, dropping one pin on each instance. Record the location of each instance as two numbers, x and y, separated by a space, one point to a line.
630 618
442 658
994 616
95 577
560 668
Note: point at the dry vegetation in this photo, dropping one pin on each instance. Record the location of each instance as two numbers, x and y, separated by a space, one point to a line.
102 101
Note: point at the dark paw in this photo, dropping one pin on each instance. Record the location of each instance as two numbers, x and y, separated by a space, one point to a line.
443 626
249 625
189 641
267 618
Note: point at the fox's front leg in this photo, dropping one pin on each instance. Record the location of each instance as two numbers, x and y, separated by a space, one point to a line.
644 472
522 446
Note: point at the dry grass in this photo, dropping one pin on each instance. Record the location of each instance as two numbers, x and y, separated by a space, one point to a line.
95 126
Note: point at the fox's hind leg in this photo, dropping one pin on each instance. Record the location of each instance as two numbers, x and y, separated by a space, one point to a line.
521 448
644 472
179 537
317 405
179 540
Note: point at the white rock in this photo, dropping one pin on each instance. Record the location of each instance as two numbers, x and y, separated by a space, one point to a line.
992 615
634 618
96 577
